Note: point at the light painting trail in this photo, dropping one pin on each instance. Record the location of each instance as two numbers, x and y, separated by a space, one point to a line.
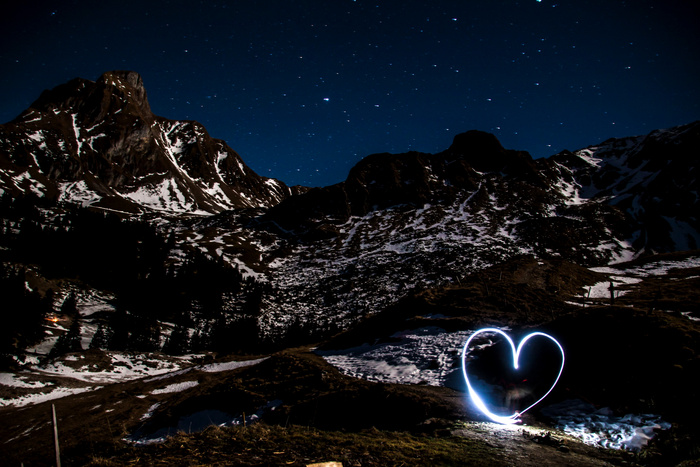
477 400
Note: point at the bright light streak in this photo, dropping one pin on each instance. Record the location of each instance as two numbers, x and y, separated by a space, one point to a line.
476 399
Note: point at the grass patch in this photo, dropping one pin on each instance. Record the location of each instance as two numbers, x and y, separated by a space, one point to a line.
261 444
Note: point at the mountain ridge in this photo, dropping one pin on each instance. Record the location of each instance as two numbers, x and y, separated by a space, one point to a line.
601 174
408 255
99 144
398 223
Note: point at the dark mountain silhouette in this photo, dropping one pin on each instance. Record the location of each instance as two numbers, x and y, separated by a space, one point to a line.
638 189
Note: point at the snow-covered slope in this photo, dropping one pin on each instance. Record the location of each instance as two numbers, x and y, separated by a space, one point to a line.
653 179
399 222
98 144
412 221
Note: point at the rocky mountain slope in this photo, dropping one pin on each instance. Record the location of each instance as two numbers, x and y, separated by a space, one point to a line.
653 179
411 221
398 223
98 144
400 262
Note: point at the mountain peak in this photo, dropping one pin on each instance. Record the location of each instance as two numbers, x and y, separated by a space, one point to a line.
129 83
122 78
97 143
483 152
112 90
476 141
61 96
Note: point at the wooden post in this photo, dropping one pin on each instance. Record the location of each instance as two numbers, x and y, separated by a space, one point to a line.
55 436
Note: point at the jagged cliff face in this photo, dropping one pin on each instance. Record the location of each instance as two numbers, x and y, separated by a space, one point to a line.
99 144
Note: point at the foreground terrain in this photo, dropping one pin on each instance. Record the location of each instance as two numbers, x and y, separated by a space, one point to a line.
399 399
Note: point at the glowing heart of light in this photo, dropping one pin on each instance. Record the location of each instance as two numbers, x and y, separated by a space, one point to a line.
477 400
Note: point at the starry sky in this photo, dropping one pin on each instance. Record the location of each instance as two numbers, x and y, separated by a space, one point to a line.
304 89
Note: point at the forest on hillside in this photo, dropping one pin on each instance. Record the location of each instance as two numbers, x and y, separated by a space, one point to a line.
44 248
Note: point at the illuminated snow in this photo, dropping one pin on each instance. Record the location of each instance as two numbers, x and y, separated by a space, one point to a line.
625 278
428 355
15 381
35 186
36 136
123 367
165 195
76 131
601 427
432 356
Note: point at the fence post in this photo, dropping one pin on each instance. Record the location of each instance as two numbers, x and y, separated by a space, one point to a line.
55 436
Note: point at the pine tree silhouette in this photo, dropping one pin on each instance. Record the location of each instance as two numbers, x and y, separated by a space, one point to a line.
101 338
68 341
178 342
70 305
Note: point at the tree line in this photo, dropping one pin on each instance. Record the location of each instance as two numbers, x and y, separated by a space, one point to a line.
210 303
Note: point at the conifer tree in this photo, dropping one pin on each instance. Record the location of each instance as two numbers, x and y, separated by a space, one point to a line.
178 342
118 337
144 336
201 339
23 317
101 338
70 305
68 341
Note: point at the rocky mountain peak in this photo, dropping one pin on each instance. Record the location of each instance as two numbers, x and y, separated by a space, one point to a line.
124 79
60 97
94 101
476 142
128 85
484 153
97 143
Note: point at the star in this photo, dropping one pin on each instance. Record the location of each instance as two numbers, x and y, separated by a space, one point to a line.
256 76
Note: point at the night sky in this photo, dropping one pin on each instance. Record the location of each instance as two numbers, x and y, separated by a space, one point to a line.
302 90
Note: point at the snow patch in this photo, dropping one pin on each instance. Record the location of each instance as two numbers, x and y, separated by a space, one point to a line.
176 387
600 427
123 367
228 366
43 397
427 356
78 193
15 381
